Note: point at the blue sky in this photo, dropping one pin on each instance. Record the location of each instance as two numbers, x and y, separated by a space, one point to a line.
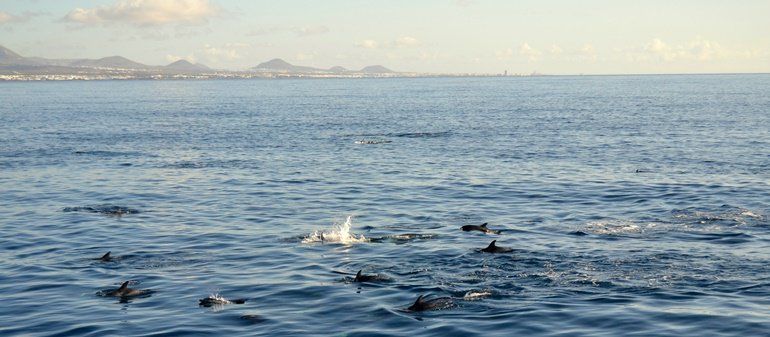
478 36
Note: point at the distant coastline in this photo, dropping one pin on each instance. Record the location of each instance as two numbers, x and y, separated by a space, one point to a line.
14 67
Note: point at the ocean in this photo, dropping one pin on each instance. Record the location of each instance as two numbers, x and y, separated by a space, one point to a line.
633 205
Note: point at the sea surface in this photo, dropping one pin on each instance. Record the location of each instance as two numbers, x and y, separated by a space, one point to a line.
634 205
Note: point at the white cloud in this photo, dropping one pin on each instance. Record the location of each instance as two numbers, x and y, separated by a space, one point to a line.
588 52
705 50
504 54
368 44
146 13
532 54
401 42
464 3
304 56
406 41
310 30
265 31
6 17
299 31
698 49
555 50
228 52
173 58
425 56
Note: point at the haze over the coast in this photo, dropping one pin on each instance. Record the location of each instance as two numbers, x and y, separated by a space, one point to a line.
436 36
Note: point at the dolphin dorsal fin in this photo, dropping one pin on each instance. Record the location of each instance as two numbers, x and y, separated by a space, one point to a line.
358 275
492 244
419 300
484 225
124 286
106 256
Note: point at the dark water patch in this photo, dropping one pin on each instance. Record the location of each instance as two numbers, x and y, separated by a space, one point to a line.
718 238
251 319
372 141
404 238
422 134
106 209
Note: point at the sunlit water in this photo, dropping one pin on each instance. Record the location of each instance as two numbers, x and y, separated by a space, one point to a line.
634 205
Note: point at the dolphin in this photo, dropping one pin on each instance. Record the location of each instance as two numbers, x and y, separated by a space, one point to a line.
492 248
106 257
431 304
124 291
482 228
251 318
369 278
371 142
213 300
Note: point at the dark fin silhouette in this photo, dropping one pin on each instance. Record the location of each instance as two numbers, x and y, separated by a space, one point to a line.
492 244
106 257
418 302
484 225
358 276
124 286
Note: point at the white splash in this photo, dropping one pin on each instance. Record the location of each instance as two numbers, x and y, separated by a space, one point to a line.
615 227
474 295
339 233
218 298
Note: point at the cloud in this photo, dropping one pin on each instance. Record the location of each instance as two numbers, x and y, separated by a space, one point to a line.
173 58
304 56
299 31
504 54
699 49
144 13
706 50
368 44
308 31
401 42
406 41
425 56
555 50
265 31
226 52
464 3
7 18
532 54
588 52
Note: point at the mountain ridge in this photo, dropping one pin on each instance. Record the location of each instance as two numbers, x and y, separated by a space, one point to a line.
279 65
13 61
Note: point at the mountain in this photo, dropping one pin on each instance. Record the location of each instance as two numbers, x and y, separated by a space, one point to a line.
378 69
8 56
278 65
338 70
186 66
281 66
13 63
119 62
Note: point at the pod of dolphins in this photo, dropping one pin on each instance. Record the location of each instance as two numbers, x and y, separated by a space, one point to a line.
421 304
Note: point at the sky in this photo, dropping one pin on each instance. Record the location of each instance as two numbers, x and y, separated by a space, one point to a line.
437 36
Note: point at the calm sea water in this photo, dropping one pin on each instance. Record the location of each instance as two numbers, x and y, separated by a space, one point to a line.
235 181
